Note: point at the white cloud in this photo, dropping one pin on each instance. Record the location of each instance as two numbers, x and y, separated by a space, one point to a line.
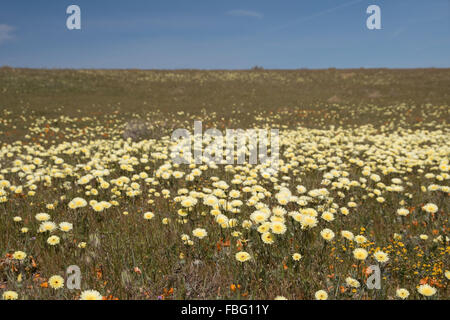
318 14
398 32
5 33
245 13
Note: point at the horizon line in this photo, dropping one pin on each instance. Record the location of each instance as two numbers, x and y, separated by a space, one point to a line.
255 68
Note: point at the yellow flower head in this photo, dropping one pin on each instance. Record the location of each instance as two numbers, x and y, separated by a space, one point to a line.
91 295
426 290
327 234
56 282
10 295
19 255
402 293
381 256
148 215
321 295
53 240
360 254
267 238
242 256
199 233
296 256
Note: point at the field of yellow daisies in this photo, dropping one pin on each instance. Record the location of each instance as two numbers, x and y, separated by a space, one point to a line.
87 180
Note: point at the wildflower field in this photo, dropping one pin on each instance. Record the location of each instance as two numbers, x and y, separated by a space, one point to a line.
87 180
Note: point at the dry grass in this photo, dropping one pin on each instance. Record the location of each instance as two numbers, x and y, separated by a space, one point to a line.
351 123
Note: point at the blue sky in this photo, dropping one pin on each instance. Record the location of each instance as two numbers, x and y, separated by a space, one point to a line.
230 34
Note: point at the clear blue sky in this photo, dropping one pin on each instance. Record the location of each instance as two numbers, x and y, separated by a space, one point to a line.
232 34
